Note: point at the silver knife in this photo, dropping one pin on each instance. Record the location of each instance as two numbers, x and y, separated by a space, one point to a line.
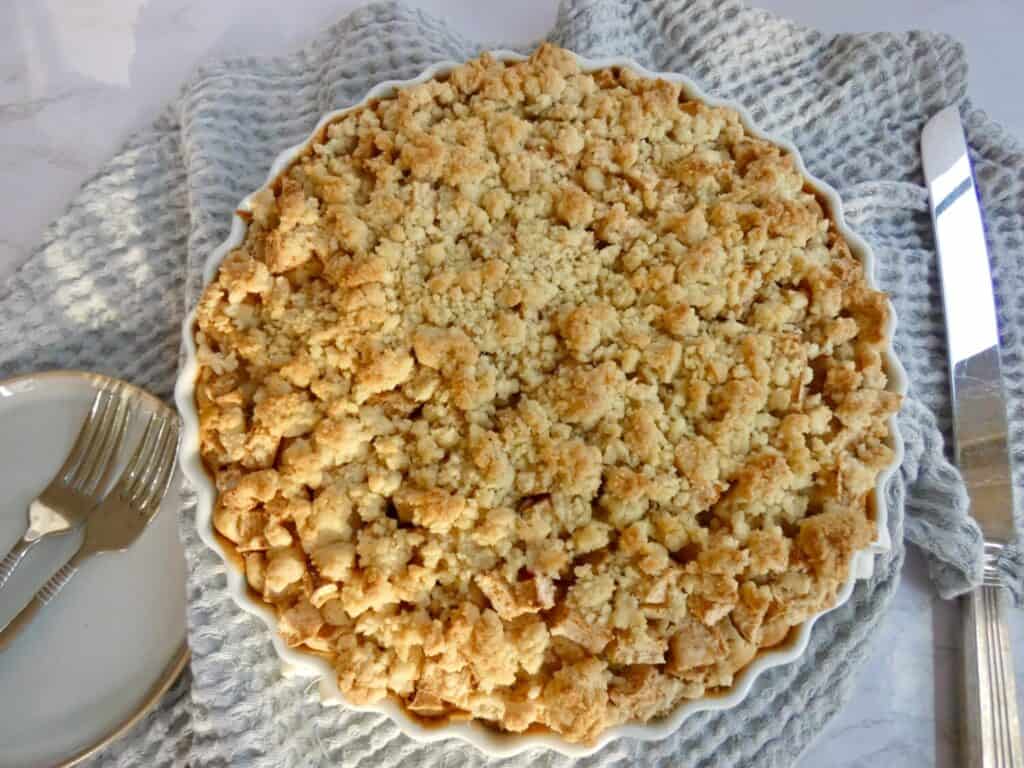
992 736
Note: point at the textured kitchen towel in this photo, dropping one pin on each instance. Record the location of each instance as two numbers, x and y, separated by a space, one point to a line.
105 292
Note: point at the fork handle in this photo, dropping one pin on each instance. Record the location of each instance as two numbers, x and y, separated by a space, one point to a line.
992 736
46 593
12 558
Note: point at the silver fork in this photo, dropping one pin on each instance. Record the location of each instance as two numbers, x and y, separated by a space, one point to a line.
73 491
121 517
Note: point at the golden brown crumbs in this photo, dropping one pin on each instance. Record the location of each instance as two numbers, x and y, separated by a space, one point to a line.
542 396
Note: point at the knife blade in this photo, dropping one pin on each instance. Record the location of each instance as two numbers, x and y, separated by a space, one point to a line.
976 383
991 734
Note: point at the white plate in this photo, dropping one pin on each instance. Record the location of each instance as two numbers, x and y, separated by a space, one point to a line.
97 657
488 740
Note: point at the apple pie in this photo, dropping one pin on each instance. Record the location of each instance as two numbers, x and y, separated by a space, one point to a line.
542 397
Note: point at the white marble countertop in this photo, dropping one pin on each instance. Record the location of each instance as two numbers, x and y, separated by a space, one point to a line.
77 78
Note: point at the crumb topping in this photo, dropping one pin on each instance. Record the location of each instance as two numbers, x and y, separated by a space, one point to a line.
543 397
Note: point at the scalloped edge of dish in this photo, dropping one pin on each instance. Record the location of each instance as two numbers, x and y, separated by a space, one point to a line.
488 740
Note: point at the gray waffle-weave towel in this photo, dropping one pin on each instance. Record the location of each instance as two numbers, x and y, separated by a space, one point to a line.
107 289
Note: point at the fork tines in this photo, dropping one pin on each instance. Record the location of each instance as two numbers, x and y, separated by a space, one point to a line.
145 479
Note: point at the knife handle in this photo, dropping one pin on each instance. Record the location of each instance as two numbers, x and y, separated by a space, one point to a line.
992 736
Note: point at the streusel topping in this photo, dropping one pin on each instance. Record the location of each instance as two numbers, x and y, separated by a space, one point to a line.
542 397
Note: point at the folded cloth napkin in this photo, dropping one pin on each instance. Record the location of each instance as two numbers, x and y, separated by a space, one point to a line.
104 292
